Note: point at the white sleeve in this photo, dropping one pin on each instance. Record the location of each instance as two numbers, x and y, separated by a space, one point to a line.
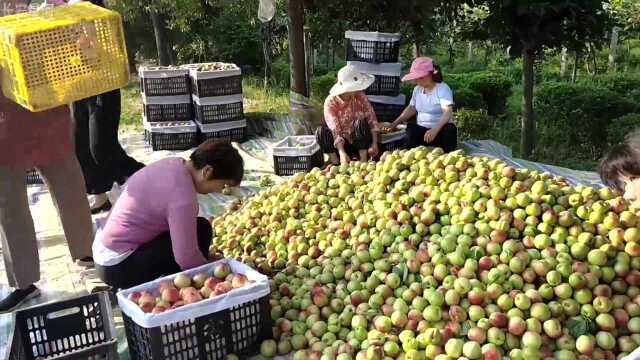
413 96
445 94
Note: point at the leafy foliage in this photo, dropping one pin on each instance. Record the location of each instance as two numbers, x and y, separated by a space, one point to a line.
473 124
581 113
622 127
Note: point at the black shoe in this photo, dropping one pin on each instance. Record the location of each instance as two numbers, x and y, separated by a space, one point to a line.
17 297
104 207
86 261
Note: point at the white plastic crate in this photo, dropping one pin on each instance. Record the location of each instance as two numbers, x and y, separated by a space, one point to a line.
399 100
388 69
373 36
257 288
305 145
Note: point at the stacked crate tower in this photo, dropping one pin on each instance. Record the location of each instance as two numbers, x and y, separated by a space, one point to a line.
168 111
217 101
377 54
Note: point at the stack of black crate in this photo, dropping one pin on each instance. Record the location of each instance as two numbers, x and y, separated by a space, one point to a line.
168 110
218 101
377 54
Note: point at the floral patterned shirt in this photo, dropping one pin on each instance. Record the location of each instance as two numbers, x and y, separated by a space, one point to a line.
340 116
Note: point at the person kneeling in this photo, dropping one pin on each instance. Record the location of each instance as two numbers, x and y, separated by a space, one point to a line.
153 229
351 126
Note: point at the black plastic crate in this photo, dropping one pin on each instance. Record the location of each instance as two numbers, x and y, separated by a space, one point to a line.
296 154
388 111
384 85
393 145
291 165
168 112
164 82
178 137
218 86
373 47
217 113
80 328
33 177
238 330
232 131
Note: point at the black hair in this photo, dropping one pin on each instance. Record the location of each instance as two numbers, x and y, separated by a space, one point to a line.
437 74
622 160
225 160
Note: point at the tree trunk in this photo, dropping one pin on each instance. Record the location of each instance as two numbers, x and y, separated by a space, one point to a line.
131 48
563 62
527 139
469 51
296 48
308 57
266 52
594 58
161 37
613 48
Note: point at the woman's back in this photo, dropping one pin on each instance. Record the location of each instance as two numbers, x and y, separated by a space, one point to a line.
144 208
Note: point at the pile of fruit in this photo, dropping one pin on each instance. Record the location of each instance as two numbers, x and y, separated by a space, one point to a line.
426 255
214 66
185 290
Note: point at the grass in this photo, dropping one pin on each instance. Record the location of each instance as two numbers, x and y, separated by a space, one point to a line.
256 99
131 117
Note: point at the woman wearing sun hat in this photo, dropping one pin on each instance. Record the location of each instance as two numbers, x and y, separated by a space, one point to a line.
432 101
351 126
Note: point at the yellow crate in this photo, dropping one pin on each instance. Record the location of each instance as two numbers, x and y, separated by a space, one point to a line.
56 56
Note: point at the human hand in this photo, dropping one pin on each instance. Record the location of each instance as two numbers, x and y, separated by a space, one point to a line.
373 151
430 135
344 158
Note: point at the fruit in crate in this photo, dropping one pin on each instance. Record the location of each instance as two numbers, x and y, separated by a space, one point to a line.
185 290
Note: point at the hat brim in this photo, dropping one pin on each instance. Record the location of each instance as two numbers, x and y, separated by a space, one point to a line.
361 85
414 76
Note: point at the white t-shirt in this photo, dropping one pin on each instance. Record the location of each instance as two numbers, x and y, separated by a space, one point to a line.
429 105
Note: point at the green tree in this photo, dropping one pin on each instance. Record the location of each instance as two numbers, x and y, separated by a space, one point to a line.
526 27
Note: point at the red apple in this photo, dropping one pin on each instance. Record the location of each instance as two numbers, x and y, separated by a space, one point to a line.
238 281
170 294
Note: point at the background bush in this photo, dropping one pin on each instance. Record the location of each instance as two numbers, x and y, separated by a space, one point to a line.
622 127
473 124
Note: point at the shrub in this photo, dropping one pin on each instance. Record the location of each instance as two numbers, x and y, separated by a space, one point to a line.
621 127
580 113
494 88
468 99
473 124
321 85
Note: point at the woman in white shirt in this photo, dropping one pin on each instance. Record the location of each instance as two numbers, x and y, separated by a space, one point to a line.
432 101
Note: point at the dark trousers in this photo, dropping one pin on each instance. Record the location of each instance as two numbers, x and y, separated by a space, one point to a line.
152 260
362 139
101 157
447 138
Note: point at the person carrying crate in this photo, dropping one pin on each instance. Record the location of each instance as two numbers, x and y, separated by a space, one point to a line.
102 158
432 102
351 127
44 141
154 229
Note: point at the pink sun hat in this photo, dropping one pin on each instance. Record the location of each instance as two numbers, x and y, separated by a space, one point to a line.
420 68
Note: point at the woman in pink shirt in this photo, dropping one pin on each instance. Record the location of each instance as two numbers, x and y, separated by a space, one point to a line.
351 126
154 229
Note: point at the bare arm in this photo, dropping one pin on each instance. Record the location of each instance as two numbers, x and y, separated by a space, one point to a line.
407 114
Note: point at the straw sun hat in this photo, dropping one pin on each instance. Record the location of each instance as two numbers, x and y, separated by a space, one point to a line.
351 79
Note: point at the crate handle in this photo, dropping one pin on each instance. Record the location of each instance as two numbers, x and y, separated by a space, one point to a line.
63 313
